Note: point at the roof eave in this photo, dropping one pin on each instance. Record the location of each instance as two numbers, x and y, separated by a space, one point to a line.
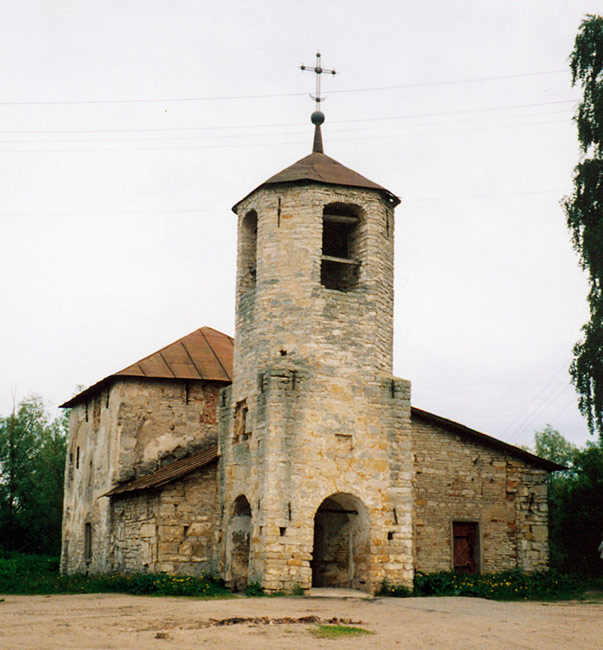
548 465
167 474
389 197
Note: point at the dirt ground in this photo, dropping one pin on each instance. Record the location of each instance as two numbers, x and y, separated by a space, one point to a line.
143 623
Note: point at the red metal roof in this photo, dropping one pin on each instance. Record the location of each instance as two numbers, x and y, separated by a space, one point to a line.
169 473
319 168
204 354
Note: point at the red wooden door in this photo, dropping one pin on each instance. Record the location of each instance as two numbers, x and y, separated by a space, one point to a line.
465 549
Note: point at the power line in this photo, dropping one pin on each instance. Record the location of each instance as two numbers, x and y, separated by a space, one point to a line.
154 100
285 124
280 143
541 392
528 423
296 132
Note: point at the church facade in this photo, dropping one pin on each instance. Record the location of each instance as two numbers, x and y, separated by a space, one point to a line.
294 458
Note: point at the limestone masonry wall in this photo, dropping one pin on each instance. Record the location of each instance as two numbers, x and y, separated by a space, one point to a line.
458 479
129 429
160 421
169 530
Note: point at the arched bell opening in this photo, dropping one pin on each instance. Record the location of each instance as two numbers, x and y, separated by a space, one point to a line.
341 551
239 543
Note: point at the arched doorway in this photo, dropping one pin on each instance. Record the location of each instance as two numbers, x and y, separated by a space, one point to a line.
341 553
239 539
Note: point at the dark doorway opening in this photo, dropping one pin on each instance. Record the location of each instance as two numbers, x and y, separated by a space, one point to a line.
240 541
341 551
465 537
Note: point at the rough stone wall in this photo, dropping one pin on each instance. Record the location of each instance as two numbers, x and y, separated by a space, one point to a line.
160 421
130 429
171 529
313 368
286 308
91 455
457 479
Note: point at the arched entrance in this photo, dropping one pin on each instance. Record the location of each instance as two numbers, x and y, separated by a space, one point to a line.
341 553
239 539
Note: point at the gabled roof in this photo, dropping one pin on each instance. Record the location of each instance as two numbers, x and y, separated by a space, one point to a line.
205 354
319 168
169 473
485 439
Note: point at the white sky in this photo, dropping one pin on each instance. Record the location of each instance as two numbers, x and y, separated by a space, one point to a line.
116 235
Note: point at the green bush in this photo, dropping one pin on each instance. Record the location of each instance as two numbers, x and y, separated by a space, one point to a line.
17 564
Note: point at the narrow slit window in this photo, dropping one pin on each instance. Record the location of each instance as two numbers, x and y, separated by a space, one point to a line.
341 246
248 250
88 542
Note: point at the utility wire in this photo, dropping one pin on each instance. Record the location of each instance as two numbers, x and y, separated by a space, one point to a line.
528 423
279 144
263 126
276 95
520 414
296 132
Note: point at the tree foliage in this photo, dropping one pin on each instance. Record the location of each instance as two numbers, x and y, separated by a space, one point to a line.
575 498
32 461
584 211
550 444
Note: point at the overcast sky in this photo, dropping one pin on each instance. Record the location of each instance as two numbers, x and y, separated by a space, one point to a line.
130 128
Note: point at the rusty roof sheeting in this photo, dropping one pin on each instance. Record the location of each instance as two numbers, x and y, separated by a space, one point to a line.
484 438
320 168
204 354
169 473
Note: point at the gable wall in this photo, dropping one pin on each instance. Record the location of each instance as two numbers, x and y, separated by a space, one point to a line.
458 479
131 429
157 424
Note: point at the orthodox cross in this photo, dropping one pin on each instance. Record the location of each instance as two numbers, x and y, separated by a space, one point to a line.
318 69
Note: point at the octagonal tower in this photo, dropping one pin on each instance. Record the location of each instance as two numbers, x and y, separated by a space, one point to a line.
315 471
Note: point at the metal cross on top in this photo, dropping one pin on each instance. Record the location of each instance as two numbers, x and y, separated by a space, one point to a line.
318 69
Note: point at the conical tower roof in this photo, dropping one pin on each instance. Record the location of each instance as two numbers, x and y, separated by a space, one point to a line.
320 168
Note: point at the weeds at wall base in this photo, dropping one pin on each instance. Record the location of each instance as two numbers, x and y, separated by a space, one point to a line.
38 574
506 585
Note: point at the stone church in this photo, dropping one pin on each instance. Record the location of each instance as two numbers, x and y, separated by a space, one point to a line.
291 457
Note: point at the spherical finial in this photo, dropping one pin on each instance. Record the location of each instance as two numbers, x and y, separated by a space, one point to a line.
318 117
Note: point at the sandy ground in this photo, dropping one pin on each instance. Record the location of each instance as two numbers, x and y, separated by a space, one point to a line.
130 622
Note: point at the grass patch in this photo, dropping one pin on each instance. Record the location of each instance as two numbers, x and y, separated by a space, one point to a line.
338 631
33 574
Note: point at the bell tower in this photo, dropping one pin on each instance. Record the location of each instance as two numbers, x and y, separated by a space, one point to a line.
315 466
